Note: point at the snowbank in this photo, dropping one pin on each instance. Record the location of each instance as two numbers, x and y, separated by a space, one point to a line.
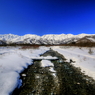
83 57
12 62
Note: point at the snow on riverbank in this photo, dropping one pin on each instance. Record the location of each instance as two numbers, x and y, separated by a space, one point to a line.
12 62
47 63
83 57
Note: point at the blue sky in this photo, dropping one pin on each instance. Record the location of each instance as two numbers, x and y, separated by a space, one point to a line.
42 17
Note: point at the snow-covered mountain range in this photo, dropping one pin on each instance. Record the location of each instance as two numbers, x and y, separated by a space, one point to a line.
45 39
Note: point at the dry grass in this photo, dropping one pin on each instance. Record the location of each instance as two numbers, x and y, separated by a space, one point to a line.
30 47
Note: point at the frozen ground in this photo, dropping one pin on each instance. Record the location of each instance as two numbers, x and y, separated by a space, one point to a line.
15 60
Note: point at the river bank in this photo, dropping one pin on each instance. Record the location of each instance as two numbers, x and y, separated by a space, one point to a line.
64 80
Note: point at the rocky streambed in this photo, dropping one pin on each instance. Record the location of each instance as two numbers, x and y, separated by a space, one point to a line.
61 78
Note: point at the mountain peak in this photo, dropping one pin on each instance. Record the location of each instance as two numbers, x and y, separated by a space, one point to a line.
45 39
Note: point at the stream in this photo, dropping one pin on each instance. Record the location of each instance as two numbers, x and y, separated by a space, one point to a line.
62 78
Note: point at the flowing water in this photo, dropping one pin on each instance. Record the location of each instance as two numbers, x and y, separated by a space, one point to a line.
63 80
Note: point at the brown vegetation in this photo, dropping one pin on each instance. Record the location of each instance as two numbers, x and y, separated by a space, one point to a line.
83 44
30 47
80 44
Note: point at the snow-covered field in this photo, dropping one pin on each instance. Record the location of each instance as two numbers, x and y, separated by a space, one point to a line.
84 57
14 60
